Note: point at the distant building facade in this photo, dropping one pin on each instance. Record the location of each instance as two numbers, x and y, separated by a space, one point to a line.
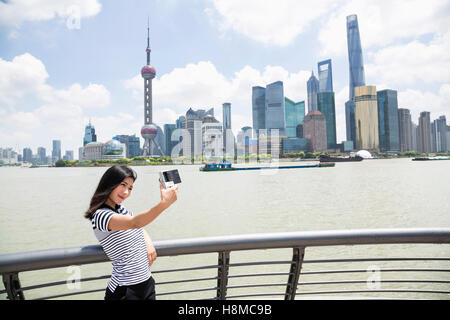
405 130
275 109
312 86
424 132
326 105
325 76
258 109
295 113
366 118
315 131
388 124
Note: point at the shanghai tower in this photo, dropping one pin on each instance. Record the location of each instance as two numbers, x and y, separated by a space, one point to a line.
356 72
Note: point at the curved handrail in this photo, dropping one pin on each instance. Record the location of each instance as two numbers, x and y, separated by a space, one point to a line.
52 258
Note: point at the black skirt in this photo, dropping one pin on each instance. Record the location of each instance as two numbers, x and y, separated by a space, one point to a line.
141 291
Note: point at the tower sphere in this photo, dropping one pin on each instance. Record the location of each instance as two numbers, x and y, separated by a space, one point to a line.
149 131
148 72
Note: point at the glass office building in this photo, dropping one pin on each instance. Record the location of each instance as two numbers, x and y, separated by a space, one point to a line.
89 134
295 113
275 109
312 87
350 120
325 76
366 118
355 58
258 109
388 120
326 105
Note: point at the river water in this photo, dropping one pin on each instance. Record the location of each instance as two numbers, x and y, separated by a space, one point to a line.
43 208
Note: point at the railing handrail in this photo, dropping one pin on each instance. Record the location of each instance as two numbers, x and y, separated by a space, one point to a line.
52 258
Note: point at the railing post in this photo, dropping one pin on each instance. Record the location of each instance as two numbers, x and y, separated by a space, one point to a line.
222 279
12 286
296 266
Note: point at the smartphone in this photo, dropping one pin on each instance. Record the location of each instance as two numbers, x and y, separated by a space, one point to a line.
169 178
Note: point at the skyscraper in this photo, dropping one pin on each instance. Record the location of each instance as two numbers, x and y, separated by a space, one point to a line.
366 118
275 109
56 151
355 58
312 87
295 113
405 130
439 134
315 131
169 143
350 121
356 73
388 120
149 131
442 134
89 134
258 109
325 76
27 155
326 105
226 120
424 132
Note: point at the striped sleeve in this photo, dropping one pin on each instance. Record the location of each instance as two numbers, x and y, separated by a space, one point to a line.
101 219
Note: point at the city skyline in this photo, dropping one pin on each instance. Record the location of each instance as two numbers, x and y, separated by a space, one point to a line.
104 83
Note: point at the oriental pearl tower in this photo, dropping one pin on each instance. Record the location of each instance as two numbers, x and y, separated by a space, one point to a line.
149 130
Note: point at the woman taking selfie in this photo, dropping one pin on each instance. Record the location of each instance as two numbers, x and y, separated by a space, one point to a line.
122 236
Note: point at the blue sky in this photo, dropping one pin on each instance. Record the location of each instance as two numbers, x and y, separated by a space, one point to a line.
67 61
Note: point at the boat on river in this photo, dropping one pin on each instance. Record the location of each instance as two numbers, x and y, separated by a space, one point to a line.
227 166
431 158
325 158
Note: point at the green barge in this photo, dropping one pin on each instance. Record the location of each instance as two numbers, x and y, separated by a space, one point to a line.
226 166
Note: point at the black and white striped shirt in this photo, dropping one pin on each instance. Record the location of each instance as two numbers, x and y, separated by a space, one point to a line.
125 248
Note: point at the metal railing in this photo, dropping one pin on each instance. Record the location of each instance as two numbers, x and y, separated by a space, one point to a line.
11 265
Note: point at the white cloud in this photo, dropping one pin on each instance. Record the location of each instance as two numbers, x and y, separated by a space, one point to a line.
53 114
14 12
23 75
276 22
412 63
383 22
94 95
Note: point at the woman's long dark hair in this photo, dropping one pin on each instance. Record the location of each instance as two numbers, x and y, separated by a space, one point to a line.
109 181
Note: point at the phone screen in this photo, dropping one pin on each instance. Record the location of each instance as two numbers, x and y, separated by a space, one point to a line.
172 175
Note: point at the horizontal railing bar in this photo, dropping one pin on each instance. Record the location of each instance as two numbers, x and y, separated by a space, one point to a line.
257 295
187 280
57 283
375 259
260 274
215 266
242 264
186 291
380 270
53 258
378 281
372 291
69 294
257 285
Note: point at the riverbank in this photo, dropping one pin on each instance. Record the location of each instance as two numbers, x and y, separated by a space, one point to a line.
264 158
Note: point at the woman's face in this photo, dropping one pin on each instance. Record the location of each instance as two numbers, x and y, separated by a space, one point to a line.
122 191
